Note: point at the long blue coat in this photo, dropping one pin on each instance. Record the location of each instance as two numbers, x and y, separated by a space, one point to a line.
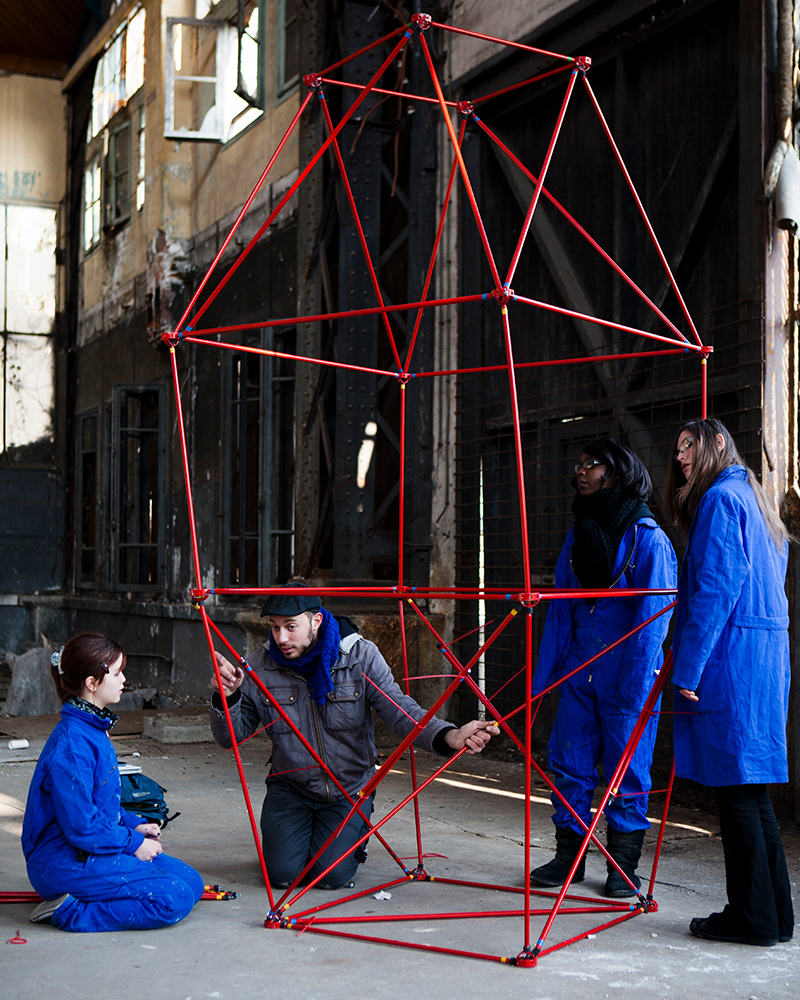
731 643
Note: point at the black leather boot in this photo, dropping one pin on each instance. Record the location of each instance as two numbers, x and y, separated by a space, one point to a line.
625 849
555 872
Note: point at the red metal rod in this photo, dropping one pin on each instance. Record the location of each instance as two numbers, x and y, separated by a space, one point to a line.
389 93
367 48
404 944
302 176
396 918
435 250
526 863
186 475
544 364
523 83
246 349
401 497
704 387
361 236
576 225
341 900
502 41
537 189
601 904
523 503
600 322
462 166
412 750
641 208
593 930
344 314
266 352
455 594
239 767
662 830
246 206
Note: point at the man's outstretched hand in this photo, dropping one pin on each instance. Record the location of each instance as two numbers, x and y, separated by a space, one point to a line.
474 736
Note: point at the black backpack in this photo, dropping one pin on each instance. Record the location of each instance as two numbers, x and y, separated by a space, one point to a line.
145 797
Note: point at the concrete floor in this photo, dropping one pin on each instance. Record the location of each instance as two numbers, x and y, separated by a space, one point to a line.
472 827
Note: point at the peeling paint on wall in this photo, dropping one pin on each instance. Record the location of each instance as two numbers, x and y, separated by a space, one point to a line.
18 185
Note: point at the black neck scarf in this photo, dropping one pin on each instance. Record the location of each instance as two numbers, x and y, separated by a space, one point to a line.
601 519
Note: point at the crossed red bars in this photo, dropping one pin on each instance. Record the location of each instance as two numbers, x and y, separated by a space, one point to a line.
523 597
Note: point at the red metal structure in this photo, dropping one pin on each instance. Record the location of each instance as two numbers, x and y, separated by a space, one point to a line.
285 910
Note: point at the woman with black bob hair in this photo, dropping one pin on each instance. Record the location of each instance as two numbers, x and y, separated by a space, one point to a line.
614 543
97 867
731 668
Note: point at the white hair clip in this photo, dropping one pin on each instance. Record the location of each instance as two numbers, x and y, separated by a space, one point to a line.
55 659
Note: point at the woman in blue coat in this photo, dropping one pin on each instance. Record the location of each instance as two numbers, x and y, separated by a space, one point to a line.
731 669
614 543
97 867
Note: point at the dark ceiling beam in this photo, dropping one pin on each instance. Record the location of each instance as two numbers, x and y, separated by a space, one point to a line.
41 37
31 66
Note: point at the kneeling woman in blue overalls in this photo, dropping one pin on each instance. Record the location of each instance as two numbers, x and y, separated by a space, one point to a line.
97 867
614 542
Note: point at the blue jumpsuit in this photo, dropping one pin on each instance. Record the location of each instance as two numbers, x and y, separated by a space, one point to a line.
599 707
77 840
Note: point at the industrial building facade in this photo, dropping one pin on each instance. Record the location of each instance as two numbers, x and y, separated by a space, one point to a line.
130 153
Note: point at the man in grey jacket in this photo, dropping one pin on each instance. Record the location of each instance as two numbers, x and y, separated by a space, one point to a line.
327 679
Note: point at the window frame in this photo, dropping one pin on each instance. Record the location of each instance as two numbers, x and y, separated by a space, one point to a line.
170 78
275 399
114 216
119 489
94 161
228 58
83 581
256 100
284 87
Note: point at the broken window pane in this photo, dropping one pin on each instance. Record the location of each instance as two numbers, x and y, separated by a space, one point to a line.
31 269
191 106
119 73
29 397
27 307
134 54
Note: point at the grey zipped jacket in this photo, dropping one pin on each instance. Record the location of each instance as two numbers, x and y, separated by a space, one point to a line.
341 730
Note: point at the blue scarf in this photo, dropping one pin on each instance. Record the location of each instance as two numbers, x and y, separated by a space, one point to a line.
316 664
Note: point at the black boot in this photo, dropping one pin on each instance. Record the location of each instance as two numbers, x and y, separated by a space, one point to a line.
555 872
625 849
